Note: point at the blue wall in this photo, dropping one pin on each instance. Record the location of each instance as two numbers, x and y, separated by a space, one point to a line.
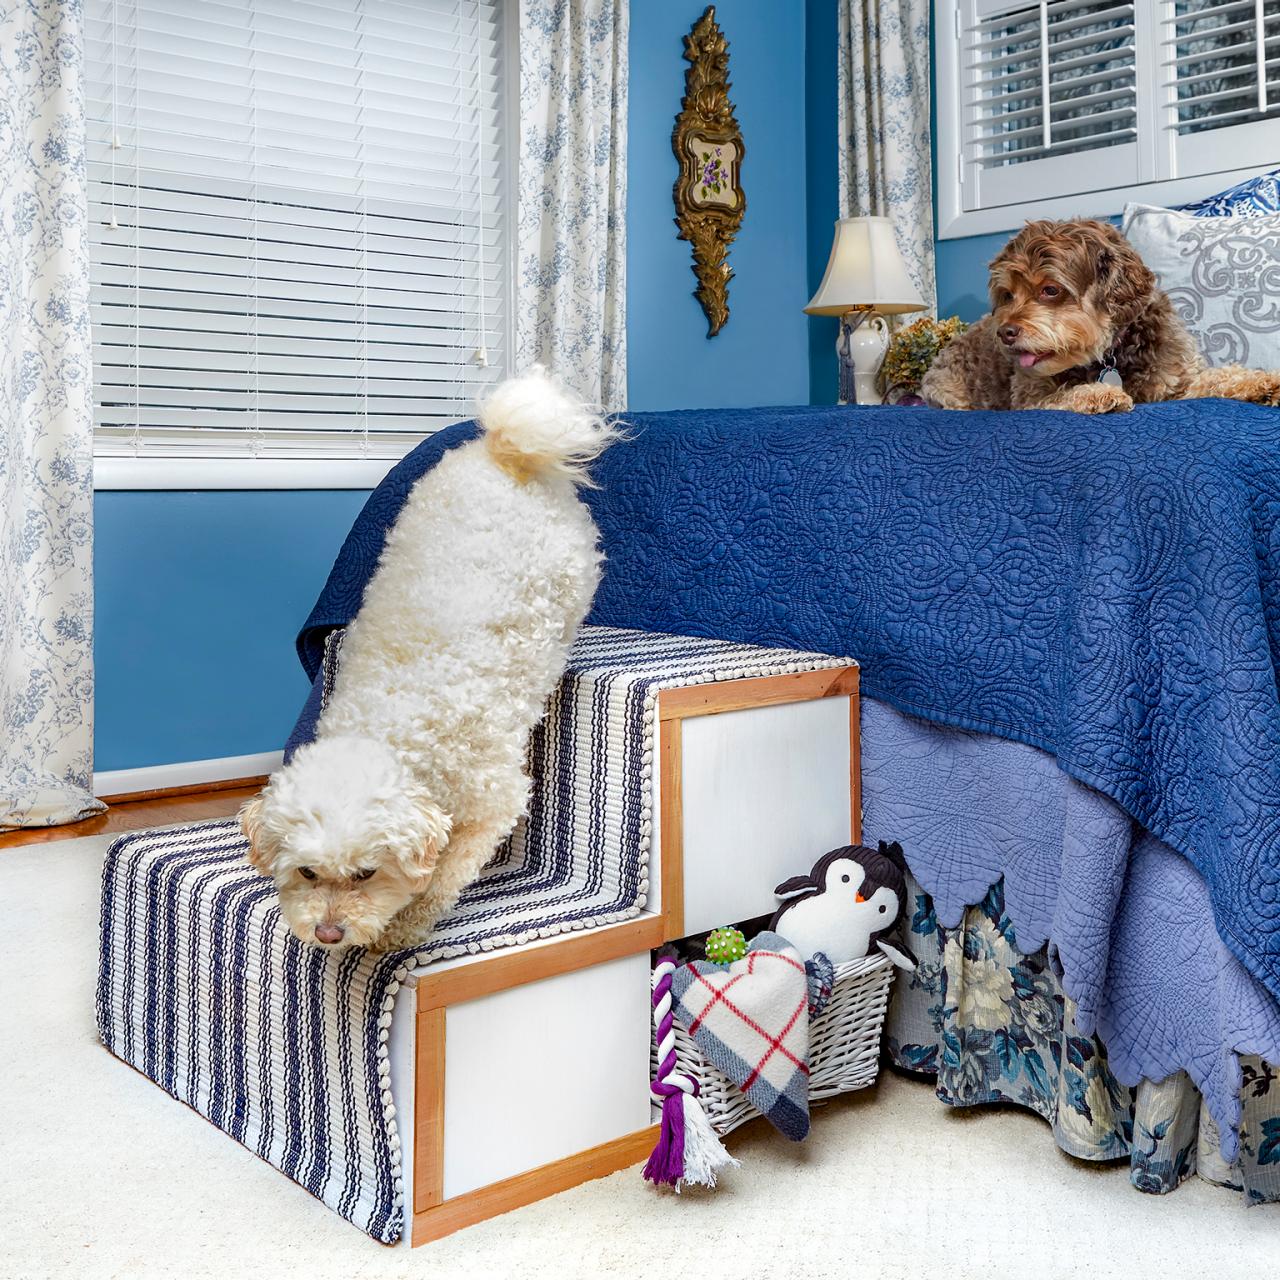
761 355
198 598
822 187
962 272
199 595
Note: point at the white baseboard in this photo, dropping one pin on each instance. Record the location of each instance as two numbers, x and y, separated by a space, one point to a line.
188 773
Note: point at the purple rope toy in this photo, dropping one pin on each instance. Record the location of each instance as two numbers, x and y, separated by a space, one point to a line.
688 1149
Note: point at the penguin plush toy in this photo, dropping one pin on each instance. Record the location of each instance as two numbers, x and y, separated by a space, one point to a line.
846 905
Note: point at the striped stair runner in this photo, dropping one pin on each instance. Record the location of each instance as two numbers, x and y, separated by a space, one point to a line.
284 1046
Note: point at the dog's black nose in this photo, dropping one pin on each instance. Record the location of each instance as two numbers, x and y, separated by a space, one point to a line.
329 933
1009 334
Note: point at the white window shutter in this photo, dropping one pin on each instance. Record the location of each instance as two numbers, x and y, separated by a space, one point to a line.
1061 108
1044 83
1220 73
299 222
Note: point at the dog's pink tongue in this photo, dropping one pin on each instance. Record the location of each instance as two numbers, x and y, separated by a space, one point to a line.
1027 358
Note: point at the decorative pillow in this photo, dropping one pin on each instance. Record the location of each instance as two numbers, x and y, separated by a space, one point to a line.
1223 276
1253 198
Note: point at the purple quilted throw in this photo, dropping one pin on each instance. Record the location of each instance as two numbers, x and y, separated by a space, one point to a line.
1106 589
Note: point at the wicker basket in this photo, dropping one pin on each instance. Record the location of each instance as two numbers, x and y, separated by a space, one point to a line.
844 1045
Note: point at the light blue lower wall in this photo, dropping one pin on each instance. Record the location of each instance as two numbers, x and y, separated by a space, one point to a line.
962 274
198 598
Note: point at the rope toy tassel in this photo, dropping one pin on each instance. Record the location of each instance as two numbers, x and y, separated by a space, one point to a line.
688 1148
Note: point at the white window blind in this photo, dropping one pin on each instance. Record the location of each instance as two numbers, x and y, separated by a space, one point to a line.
1056 98
299 224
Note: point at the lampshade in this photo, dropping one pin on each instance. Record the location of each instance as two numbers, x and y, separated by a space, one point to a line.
865 270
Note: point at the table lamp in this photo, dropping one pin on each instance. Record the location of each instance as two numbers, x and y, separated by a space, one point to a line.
866 280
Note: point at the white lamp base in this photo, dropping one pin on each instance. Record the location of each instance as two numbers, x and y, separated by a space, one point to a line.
861 348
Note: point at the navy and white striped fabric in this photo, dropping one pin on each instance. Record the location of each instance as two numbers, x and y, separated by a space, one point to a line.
284 1046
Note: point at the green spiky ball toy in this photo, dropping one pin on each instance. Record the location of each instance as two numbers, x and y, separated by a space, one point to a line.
725 945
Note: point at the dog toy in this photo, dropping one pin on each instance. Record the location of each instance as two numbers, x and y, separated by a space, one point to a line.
821 976
751 1022
846 905
725 945
688 1149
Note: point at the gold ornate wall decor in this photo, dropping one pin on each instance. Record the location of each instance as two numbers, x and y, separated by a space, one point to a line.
708 144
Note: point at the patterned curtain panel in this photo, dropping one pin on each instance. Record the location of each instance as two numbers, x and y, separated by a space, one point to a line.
46 425
885 167
571 238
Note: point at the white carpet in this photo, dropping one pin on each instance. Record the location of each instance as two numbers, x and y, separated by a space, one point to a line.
102 1175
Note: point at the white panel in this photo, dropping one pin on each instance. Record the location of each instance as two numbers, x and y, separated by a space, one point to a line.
544 1071
1043 85
766 791
1220 65
1057 175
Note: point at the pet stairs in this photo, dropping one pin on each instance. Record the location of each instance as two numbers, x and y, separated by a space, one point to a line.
455 1090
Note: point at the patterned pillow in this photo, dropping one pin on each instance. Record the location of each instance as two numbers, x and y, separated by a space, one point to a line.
1223 276
1253 198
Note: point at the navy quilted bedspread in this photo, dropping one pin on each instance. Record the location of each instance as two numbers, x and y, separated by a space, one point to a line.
1106 589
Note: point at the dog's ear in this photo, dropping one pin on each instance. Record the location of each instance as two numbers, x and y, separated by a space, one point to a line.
423 845
1124 280
252 824
997 273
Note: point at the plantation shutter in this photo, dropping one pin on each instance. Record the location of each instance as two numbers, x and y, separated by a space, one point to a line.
1043 83
1220 69
298 216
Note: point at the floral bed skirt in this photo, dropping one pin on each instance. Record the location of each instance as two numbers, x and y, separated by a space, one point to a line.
992 1025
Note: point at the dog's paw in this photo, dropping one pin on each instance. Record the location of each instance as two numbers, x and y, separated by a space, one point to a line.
1097 397
942 388
1266 389
1233 382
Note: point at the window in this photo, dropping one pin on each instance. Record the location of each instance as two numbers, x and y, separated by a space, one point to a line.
1221 76
298 223
1059 107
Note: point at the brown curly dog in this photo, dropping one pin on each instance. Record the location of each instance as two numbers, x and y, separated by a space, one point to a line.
1071 301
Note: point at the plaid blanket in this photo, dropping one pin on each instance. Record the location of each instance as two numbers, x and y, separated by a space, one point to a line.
750 1020
284 1046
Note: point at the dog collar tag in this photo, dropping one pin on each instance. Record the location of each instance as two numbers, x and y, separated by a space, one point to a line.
1109 377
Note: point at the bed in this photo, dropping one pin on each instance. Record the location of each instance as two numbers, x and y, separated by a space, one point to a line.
1083 612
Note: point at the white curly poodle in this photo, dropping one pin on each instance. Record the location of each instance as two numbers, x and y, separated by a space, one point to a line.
416 774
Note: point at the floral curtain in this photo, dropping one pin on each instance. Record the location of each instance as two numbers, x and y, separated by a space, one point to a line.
571 239
885 166
46 423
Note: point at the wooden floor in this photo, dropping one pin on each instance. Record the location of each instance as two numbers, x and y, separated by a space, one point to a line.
133 814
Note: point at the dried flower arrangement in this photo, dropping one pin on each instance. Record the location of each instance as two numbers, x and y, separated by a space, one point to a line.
911 351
